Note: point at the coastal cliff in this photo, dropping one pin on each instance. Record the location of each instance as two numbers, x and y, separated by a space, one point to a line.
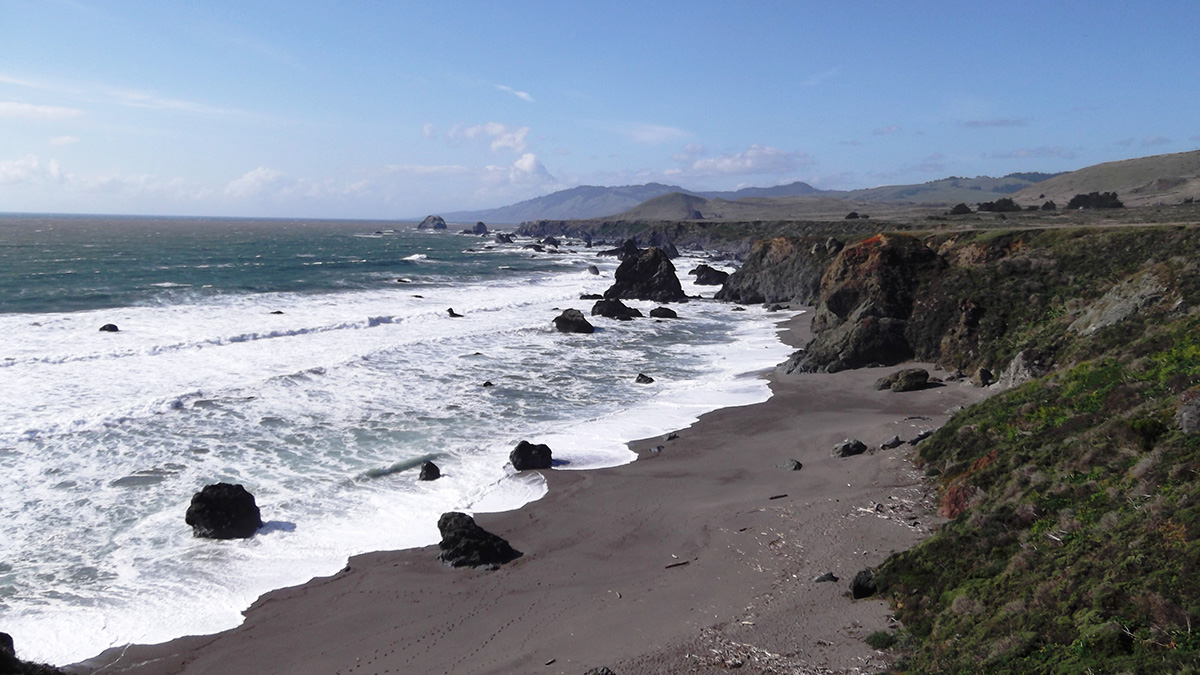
1073 494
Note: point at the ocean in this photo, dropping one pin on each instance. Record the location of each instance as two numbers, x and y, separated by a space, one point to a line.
315 363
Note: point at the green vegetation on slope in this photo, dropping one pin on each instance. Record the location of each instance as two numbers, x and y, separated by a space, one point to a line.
1077 545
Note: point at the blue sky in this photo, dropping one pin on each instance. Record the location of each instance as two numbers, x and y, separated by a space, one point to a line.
398 109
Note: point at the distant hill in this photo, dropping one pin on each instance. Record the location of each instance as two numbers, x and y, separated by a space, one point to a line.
950 190
590 201
1159 179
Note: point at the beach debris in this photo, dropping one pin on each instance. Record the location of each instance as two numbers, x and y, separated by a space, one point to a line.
614 309
658 448
909 379
664 313
572 321
453 314
681 563
849 448
223 511
465 544
109 328
777 496
551 662
602 670
791 465
672 436
644 379
894 442
429 471
863 585
828 576
529 456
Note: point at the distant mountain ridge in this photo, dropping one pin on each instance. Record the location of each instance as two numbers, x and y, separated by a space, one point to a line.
591 201
1158 179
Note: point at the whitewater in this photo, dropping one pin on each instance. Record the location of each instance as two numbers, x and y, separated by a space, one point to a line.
316 364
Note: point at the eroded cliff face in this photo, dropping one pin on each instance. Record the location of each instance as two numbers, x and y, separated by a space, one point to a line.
783 270
866 299
987 299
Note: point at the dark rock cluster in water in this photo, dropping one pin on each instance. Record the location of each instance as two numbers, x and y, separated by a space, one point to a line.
573 321
223 511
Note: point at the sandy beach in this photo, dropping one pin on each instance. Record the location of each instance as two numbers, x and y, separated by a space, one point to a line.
696 558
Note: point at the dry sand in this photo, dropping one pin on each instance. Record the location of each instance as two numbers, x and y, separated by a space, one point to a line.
697 558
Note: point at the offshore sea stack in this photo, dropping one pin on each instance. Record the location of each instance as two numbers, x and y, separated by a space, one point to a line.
866 300
649 276
432 223
572 321
465 544
223 511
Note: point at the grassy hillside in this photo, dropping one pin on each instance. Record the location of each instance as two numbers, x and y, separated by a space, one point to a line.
1075 540
1160 179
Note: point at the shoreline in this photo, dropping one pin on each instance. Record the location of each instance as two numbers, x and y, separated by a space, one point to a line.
692 558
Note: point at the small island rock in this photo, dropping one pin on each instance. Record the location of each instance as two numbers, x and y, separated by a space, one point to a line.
223 511
573 321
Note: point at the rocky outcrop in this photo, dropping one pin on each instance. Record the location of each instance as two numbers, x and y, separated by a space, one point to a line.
223 511
592 269
10 664
709 276
866 299
432 223
1025 366
429 470
502 238
649 276
1188 414
479 229
642 378
909 379
663 313
863 585
849 448
573 321
614 309
1120 303
466 544
782 269
528 456
626 251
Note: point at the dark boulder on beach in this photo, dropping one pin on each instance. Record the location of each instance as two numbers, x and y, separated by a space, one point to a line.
863 585
223 511
849 448
429 471
528 456
573 321
109 328
649 276
614 309
663 313
465 544
909 379
432 223
709 276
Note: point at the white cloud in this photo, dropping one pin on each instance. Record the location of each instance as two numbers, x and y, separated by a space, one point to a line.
995 123
21 170
255 182
428 131
64 140
757 159
39 112
886 131
524 96
501 135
